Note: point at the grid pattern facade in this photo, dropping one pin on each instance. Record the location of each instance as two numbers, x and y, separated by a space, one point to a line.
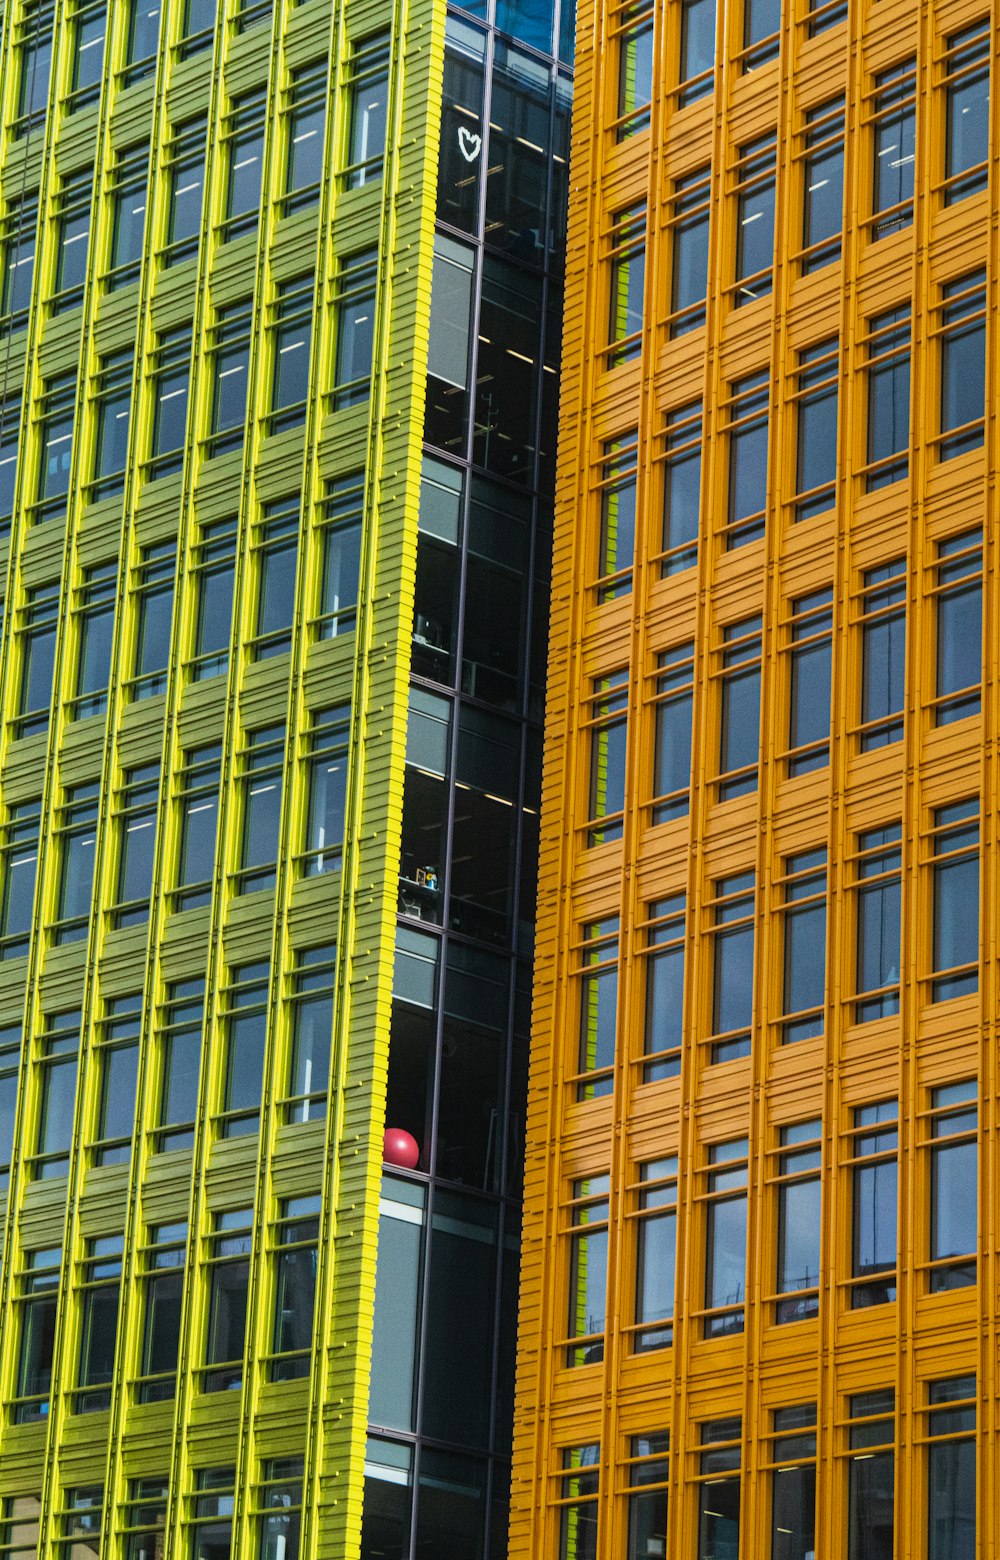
216 271
758 1311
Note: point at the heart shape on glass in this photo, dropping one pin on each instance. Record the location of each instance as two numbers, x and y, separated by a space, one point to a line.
469 144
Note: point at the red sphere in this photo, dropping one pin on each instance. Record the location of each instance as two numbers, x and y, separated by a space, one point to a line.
400 1149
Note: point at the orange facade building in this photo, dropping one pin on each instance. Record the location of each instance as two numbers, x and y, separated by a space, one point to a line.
759 1311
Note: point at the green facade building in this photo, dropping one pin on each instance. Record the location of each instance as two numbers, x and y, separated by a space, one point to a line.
279 297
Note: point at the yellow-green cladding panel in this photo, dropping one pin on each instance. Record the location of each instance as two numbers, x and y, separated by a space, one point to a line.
216 236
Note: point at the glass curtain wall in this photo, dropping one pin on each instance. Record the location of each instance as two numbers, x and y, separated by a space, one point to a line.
448 1253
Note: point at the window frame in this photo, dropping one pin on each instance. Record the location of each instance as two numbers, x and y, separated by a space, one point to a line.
587 1215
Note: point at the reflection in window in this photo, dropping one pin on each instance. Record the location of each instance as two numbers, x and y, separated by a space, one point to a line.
18 865
198 787
725 1182
959 627
799 1226
883 654
212 1508
616 546
170 381
100 1284
672 744
162 1261
143 39
954 852
355 327
697 49
328 748
963 364
655 1255
154 593
10 417
823 184
874 1180
180 1022
17 258
871 1480
793 1483
385 1525
520 155
647 1477
280 1499
73 238
577 1492
213 565
34 66
11 1036
954 1194
755 186
78 1522
291 335
89 27
598 996
608 740
690 213
459 1326
719 1490
627 284
810 653
244 130
635 68
57 1080
894 148
145 1518
228 1263
305 114
951 1469
56 430
311 1033
664 1009
20 1525
276 550
967 111
369 109
877 875
229 370
739 708
185 160
397 1312
128 224
113 404
507 373
118 1070
804 916
462 127
296 1236
136 806
732 920
339 524
263 764
816 429
747 411
38 623
448 365
761 24
681 488
38 1301
244 1011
